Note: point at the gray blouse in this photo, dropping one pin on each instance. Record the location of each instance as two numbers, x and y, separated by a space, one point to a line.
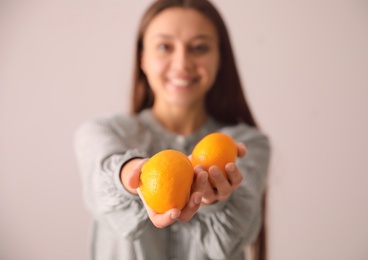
121 227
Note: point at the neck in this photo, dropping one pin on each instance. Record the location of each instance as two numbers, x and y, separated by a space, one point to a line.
183 121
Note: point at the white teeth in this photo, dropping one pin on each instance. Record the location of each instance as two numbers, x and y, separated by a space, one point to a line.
180 82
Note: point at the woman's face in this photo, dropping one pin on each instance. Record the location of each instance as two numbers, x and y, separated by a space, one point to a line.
180 57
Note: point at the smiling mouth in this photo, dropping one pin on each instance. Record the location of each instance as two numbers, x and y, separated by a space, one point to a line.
182 83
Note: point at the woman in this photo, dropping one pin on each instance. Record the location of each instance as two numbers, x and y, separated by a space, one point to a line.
186 86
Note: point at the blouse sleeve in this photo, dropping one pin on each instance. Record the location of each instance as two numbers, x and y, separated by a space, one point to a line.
102 149
224 228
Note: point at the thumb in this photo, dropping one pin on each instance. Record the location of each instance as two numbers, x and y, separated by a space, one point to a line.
133 176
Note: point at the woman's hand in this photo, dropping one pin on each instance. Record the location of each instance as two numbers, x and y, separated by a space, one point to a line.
130 173
162 220
220 187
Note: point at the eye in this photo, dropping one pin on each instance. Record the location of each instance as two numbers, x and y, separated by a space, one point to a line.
199 48
164 47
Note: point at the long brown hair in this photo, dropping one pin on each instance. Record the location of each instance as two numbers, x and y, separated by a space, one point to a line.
226 101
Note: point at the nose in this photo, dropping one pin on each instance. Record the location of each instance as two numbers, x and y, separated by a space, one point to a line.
181 60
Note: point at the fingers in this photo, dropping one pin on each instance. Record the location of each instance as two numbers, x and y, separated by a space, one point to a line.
198 169
160 220
222 186
234 176
242 150
210 195
164 220
133 176
199 187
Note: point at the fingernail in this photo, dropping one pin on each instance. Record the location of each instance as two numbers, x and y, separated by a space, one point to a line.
216 172
198 168
175 215
197 200
231 168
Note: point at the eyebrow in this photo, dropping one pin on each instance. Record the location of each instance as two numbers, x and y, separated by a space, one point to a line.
168 36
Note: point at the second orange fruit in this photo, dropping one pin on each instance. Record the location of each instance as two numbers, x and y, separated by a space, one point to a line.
215 149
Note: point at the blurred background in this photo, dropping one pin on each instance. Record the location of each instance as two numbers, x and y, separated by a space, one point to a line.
304 65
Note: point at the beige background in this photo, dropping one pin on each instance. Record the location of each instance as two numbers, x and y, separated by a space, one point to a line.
304 65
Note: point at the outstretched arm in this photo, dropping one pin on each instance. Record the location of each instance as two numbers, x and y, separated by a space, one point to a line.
102 151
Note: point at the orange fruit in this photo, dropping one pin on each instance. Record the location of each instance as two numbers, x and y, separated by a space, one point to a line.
215 149
166 180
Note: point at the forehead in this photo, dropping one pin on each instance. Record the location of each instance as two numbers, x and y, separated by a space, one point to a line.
181 23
